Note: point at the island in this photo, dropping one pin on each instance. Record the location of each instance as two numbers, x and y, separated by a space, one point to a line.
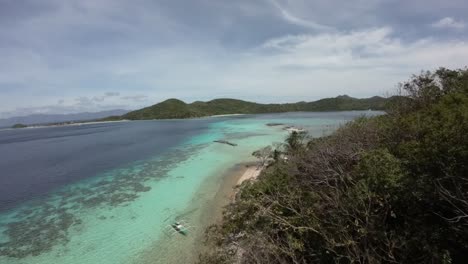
19 126
177 109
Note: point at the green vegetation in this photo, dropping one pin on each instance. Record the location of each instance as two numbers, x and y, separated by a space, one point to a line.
387 189
174 108
19 126
109 118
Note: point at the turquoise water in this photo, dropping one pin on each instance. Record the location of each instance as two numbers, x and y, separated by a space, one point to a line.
119 215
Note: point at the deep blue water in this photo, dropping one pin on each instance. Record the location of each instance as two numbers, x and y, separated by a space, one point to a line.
35 161
70 188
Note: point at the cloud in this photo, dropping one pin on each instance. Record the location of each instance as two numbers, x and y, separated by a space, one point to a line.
268 50
292 67
104 97
448 23
108 101
368 49
361 63
288 16
88 102
135 98
82 105
85 104
111 94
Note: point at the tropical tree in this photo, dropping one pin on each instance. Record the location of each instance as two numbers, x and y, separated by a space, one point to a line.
263 155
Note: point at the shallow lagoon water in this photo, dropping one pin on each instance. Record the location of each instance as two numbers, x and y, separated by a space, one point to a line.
131 181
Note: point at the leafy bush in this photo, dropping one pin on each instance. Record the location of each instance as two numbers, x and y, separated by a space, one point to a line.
388 189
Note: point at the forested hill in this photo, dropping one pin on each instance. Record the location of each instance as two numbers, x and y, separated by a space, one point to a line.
174 108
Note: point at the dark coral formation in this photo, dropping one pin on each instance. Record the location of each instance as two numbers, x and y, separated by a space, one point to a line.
41 225
38 232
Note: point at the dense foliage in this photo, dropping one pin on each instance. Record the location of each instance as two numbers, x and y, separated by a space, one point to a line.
19 126
174 108
388 189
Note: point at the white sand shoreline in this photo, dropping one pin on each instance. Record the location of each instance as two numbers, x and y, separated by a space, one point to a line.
70 124
251 173
226 115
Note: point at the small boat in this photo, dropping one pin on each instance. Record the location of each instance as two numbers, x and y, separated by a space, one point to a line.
178 227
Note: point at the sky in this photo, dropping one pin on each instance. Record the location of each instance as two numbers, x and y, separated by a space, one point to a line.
68 56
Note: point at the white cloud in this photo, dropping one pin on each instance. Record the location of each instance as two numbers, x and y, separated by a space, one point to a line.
361 63
291 18
57 49
81 105
307 66
135 98
104 97
449 22
111 94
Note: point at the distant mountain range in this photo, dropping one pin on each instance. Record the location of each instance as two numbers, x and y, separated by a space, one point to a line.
36 119
174 108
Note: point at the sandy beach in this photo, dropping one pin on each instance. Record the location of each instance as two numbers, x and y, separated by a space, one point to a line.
250 173
226 194
227 189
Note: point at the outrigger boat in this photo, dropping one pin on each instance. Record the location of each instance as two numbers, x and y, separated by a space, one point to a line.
178 227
